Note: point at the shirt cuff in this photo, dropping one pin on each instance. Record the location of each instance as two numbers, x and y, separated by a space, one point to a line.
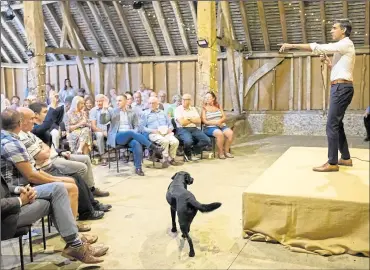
20 201
17 190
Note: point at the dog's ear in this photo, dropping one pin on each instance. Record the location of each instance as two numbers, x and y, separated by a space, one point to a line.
187 178
174 176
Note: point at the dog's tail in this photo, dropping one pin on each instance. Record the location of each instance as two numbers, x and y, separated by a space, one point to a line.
204 208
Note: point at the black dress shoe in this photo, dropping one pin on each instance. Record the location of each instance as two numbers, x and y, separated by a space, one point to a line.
139 172
92 215
102 207
157 150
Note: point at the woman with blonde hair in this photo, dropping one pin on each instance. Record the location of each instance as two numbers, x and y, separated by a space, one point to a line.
213 118
78 126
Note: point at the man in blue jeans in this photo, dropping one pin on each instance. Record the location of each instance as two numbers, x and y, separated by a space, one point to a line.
341 91
187 118
124 130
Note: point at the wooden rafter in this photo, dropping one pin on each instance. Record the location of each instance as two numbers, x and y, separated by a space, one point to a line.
79 36
345 9
323 21
54 17
100 24
180 24
126 27
303 21
20 5
261 12
113 28
219 24
283 21
63 37
6 41
49 29
67 20
243 13
6 55
69 51
367 22
193 13
14 36
90 26
149 31
162 24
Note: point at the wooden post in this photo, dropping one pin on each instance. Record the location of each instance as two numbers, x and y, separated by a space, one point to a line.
165 78
3 83
273 94
99 76
14 89
308 86
179 82
34 21
291 89
128 78
363 79
221 84
256 92
241 79
207 57
324 87
300 82
152 75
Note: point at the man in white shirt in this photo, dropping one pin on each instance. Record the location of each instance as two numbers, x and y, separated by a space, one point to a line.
341 91
187 118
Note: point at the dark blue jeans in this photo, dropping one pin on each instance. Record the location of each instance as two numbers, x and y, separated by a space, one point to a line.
135 141
340 97
193 137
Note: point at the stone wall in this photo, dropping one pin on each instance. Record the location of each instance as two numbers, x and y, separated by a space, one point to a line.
293 123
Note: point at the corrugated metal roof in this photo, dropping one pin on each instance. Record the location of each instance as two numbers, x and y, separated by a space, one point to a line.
333 10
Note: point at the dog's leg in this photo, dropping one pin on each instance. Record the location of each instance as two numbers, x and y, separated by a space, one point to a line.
173 216
191 252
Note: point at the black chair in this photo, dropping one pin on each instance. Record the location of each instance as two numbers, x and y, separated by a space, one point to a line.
117 151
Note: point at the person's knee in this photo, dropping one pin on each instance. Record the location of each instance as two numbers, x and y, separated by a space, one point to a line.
218 134
64 188
72 189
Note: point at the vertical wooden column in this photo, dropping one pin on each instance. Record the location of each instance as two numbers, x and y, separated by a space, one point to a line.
207 57
99 76
34 21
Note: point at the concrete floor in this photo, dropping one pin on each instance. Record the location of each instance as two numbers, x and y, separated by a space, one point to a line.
138 227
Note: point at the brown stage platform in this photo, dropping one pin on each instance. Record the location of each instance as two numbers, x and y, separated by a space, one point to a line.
306 211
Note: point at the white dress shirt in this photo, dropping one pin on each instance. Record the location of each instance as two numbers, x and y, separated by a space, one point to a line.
343 58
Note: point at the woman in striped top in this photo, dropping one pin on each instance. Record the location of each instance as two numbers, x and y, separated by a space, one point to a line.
213 118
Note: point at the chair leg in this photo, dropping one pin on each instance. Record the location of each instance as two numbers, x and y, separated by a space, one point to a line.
21 251
30 243
214 147
43 232
117 160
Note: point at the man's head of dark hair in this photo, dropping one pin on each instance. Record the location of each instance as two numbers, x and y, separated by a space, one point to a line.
345 24
37 107
10 119
68 100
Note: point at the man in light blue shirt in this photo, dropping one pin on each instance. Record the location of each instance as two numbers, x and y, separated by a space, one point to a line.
158 125
100 130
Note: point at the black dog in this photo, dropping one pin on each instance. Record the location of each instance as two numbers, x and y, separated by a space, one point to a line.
186 205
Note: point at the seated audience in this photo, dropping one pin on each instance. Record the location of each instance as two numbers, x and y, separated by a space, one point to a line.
157 124
123 131
367 124
213 118
138 106
21 206
5 103
176 101
89 104
187 118
113 97
78 128
81 92
99 129
145 93
129 100
66 91
15 101
163 101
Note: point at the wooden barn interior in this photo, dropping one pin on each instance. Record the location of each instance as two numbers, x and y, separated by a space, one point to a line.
273 101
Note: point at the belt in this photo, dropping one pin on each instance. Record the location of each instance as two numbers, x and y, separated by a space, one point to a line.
340 81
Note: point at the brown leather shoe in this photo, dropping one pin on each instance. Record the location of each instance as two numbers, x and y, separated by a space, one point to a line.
82 253
100 193
175 163
327 168
83 227
98 250
89 238
345 162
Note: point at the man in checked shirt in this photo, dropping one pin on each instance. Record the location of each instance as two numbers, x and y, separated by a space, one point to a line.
341 91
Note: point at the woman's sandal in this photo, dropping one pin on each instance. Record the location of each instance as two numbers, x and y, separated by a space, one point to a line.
229 155
221 156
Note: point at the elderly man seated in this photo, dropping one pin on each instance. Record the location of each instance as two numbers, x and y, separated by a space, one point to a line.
99 129
157 124
22 206
138 106
162 96
123 130
187 118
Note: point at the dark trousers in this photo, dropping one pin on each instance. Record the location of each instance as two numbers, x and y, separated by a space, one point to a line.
340 97
193 137
367 126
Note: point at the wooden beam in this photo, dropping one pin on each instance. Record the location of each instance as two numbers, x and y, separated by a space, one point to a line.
149 30
179 81
151 75
323 21
63 37
193 14
5 54
273 91
240 72
300 83
50 30
126 27
21 6
367 22
243 13
90 26
79 36
68 51
6 41
283 21
291 88
162 24
225 42
180 25
261 12
113 28
308 81
100 23
65 8
229 34
221 83
3 82
219 25
345 9
34 21
14 84
54 17
303 21
256 92
14 36
324 86
363 82
128 76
